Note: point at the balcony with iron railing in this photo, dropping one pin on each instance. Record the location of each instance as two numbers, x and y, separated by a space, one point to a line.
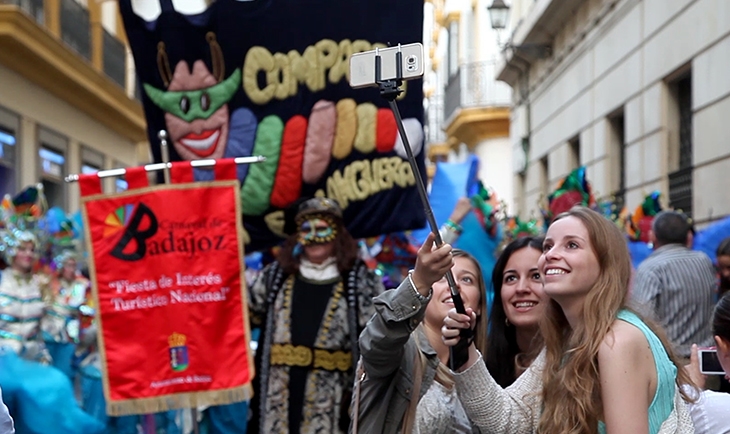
476 106
680 190
34 8
473 86
61 46
114 58
75 27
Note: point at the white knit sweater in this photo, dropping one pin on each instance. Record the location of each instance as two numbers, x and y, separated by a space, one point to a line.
516 409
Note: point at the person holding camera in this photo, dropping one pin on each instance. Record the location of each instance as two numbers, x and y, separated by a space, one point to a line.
402 382
710 412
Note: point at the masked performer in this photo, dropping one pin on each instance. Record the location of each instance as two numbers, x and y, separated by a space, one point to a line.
312 304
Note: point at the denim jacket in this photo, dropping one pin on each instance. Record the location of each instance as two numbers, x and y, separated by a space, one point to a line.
388 351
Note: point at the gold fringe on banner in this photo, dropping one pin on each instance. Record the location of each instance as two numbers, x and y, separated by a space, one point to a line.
175 401
179 401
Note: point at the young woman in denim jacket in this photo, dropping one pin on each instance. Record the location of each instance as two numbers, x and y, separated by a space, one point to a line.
402 354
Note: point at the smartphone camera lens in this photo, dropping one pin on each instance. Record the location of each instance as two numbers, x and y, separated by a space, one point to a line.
411 63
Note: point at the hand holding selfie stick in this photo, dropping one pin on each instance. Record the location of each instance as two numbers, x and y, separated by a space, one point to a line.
390 89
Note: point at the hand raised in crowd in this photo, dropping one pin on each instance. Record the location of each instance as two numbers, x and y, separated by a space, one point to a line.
693 368
432 263
462 208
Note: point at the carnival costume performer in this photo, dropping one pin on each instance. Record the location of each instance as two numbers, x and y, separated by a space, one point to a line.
39 397
312 304
61 326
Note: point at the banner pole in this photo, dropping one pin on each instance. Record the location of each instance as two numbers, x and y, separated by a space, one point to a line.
150 425
161 166
162 135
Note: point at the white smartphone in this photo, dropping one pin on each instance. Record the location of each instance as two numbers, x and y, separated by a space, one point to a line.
362 65
709 363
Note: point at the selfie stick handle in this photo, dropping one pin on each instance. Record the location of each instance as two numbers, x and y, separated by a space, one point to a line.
390 89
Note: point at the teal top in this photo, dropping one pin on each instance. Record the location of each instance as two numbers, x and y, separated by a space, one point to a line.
663 402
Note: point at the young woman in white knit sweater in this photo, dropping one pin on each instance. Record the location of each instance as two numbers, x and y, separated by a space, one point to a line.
603 370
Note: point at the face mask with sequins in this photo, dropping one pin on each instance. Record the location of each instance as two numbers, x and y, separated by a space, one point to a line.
317 230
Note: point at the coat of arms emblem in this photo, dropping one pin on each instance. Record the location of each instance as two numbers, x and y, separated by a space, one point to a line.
178 352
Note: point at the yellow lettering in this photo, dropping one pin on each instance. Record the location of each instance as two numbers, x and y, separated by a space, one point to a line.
360 46
337 189
365 182
305 68
392 168
328 52
282 76
326 61
384 178
406 174
342 66
258 59
351 175
364 178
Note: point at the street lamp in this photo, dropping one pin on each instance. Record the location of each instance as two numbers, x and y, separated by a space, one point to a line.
498 14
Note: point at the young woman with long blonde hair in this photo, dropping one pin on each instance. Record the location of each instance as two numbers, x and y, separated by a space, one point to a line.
604 369
404 385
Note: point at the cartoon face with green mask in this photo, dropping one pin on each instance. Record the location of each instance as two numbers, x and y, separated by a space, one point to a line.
196 105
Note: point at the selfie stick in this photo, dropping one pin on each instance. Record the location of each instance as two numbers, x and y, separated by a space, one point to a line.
390 89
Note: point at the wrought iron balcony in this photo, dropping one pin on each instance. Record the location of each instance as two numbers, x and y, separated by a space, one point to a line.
115 65
52 48
474 85
75 27
680 190
34 8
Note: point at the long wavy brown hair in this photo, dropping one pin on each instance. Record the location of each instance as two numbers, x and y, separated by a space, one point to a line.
571 384
345 250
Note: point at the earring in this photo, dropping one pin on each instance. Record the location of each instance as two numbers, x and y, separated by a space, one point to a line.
506 322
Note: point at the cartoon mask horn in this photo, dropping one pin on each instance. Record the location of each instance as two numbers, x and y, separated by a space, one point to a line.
163 64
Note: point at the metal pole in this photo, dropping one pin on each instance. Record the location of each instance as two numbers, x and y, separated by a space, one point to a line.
161 166
390 89
458 303
162 135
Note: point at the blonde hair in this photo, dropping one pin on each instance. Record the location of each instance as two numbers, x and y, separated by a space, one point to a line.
480 327
571 381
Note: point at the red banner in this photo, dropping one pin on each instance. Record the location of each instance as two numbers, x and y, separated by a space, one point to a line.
166 263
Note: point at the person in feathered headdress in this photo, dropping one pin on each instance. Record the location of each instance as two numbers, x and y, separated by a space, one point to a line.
638 225
69 313
22 288
516 228
40 396
573 190
311 304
